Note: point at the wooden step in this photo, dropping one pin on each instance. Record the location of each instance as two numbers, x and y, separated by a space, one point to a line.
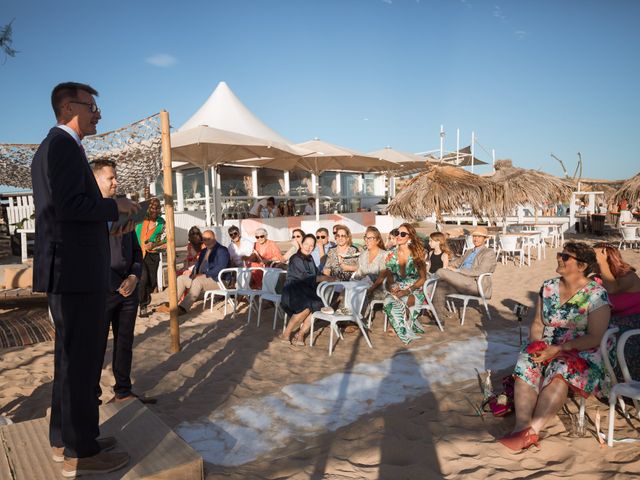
156 451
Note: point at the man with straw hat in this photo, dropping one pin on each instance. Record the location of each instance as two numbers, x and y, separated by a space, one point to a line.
461 276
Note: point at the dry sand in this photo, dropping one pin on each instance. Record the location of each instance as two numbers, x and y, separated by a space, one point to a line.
256 408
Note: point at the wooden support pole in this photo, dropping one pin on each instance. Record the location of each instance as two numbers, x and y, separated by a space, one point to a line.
171 238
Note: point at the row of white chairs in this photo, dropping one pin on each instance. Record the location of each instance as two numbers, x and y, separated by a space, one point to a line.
630 236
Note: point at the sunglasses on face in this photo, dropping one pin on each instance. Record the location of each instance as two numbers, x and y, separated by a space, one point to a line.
234 234
565 257
402 234
340 235
321 237
259 236
296 236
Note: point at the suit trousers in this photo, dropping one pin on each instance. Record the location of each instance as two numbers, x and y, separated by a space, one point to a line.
149 277
197 287
452 282
121 313
79 325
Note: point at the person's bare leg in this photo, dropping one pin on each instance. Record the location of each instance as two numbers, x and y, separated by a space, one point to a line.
551 398
306 325
294 322
525 399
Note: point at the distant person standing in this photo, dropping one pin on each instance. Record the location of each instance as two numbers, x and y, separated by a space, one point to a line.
151 238
265 208
71 264
310 207
122 297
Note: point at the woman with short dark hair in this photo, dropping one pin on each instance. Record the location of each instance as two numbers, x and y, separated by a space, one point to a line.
572 315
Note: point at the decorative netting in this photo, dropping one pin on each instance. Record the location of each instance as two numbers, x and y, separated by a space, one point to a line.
136 149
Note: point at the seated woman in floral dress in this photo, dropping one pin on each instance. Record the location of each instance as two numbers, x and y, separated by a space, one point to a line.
342 260
572 315
406 272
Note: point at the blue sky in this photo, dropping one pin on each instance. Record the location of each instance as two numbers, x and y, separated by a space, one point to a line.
529 77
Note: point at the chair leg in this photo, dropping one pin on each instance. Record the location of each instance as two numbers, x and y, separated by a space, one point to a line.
581 413
432 309
486 308
612 412
204 303
366 337
313 322
275 314
259 310
464 311
330 339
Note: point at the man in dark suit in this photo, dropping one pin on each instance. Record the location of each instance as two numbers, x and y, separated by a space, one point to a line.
71 264
122 298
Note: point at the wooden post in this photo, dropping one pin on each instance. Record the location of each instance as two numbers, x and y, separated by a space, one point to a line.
171 238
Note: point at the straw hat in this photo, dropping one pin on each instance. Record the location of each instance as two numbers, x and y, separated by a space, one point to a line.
480 232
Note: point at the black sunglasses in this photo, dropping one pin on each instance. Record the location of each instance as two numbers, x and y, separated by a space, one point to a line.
402 234
93 108
565 257
260 236
296 236
234 234
321 237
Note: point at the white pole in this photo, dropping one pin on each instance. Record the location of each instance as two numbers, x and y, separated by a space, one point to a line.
287 184
218 194
441 141
214 197
179 191
493 159
473 148
316 189
254 182
457 146
207 206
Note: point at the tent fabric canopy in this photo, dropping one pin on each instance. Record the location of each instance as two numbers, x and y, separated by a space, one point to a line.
136 150
408 162
462 158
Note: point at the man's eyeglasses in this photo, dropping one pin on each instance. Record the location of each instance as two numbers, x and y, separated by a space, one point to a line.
93 108
321 237
234 234
565 257
260 236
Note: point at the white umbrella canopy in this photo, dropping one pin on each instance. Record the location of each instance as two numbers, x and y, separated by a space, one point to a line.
407 162
207 147
321 156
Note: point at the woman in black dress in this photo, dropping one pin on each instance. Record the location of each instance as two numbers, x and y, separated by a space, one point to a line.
299 298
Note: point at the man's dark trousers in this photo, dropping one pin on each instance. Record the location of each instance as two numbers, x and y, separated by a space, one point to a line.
121 315
77 319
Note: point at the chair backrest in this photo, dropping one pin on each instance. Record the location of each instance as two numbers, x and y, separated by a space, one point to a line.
622 341
508 242
468 241
480 278
429 288
243 279
628 233
607 339
544 230
535 238
356 301
270 279
226 272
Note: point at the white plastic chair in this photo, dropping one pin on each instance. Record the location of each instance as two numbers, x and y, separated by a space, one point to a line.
269 283
509 245
429 289
354 299
468 244
242 278
245 290
630 388
373 304
466 298
534 241
549 233
629 236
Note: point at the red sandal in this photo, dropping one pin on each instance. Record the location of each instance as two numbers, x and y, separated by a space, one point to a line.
521 440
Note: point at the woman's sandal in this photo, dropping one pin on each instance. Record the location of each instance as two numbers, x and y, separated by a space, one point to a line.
520 440
297 340
284 340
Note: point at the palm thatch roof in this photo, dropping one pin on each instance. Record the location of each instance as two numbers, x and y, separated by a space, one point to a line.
630 191
439 189
520 186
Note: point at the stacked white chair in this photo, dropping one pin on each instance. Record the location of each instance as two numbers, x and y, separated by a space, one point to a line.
481 298
629 236
508 245
354 300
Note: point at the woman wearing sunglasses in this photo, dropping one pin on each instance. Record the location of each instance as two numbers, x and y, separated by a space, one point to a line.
296 240
342 260
406 272
572 315
623 285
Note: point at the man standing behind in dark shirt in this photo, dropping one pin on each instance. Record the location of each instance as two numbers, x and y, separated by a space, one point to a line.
122 298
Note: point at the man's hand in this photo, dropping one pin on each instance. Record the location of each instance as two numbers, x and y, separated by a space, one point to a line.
126 206
128 286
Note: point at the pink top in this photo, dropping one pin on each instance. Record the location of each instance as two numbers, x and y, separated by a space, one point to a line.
625 304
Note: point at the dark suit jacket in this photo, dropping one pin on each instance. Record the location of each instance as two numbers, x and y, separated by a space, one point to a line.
130 253
72 244
218 259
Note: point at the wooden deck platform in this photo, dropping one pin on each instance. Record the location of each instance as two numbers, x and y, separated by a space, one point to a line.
156 451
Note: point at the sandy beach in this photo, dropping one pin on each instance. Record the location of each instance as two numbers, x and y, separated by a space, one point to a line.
256 408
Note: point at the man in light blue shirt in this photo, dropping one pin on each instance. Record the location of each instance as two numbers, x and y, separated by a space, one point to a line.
323 245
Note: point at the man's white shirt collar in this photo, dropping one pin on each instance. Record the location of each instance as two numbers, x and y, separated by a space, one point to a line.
71 132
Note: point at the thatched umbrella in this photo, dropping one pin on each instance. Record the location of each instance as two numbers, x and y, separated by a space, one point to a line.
441 188
520 186
630 191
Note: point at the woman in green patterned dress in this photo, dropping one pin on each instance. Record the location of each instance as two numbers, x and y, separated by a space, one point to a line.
571 317
406 272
